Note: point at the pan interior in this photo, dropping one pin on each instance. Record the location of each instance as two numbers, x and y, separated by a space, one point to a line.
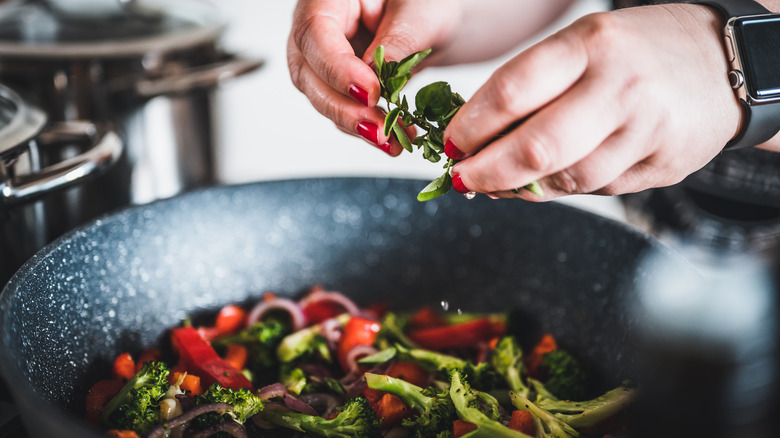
117 284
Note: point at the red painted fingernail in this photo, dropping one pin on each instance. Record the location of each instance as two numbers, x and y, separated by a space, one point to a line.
452 151
359 94
386 148
369 131
457 184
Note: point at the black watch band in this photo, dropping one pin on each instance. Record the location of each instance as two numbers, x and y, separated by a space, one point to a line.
760 122
736 8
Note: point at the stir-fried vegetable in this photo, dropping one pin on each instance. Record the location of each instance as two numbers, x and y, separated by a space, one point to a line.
350 372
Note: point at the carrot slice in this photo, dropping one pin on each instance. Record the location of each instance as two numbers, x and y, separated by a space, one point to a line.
124 367
391 410
462 427
116 433
237 355
97 397
545 345
522 421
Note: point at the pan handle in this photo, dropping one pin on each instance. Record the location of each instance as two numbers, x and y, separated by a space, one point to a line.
199 77
105 150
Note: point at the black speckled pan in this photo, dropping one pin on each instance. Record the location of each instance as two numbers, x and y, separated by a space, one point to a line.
117 283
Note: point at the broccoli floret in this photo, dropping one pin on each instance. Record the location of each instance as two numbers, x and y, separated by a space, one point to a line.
547 424
293 378
507 360
591 412
481 375
392 332
261 340
135 406
268 333
245 405
468 407
356 419
433 405
307 341
567 378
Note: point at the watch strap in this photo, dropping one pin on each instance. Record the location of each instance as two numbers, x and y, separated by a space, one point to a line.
763 120
736 8
760 122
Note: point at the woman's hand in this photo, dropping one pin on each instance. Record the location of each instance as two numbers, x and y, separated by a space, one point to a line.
615 103
330 47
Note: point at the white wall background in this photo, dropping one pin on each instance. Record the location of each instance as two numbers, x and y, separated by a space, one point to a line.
270 131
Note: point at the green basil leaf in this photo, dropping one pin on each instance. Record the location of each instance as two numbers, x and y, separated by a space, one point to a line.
391 119
379 60
434 100
406 65
436 188
402 138
395 85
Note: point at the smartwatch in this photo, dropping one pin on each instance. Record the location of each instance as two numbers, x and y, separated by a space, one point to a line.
752 43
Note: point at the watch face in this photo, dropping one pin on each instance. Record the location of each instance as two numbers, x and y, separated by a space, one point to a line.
758 41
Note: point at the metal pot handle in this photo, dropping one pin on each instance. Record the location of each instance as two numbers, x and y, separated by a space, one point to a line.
105 152
200 77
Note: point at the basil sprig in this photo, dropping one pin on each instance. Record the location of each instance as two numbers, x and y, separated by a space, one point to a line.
435 105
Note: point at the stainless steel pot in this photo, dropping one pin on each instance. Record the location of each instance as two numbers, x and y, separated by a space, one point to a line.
149 69
30 185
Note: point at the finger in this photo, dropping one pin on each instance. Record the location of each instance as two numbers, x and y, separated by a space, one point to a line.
604 166
553 139
411 26
350 116
320 32
523 85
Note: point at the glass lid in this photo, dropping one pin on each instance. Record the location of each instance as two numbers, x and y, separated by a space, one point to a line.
19 122
104 28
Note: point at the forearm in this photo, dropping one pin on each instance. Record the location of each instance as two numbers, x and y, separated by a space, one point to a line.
489 28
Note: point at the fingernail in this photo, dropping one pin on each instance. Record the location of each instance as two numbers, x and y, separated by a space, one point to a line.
369 131
452 151
359 94
386 148
458 186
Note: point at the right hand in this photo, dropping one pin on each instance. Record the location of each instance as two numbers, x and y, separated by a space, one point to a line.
330 49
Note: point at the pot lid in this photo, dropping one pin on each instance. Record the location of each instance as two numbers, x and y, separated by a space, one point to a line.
104 28
19 122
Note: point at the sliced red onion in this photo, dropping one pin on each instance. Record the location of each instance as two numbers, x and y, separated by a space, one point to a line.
228 427
355 388
298 406
315 370
331 330
319 294
324 403
271 391
186 402
358 384
159 430
483 351
297 317
355 354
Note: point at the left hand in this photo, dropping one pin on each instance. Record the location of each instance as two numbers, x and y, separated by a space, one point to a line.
616 103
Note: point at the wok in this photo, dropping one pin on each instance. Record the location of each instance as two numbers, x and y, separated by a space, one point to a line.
117 283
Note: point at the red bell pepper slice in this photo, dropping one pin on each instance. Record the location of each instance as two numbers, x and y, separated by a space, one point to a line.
465 334
318 311
357 331
200 359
